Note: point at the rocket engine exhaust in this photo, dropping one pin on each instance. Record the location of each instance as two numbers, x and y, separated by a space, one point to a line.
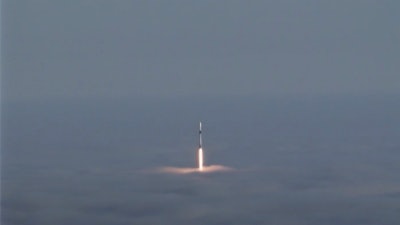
200 157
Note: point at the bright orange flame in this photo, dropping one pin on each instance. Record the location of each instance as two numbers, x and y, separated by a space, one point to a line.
200 159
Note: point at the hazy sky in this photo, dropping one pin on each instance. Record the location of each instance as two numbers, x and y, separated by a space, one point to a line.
53 49
297 161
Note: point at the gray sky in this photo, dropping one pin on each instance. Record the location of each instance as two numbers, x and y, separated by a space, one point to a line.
303 161
58 49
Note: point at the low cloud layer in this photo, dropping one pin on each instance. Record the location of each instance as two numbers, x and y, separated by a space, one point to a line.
251 197
188 170
303 170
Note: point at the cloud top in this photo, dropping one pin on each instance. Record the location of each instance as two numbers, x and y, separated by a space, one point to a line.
190 170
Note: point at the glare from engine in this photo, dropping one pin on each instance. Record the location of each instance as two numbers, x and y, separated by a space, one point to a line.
200 157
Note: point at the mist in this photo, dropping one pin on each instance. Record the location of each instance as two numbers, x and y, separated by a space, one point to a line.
314 161
101 101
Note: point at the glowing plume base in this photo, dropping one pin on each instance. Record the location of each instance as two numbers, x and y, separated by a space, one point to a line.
200 157
187 170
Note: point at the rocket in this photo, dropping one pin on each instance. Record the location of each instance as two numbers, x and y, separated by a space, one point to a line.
200 151
200 141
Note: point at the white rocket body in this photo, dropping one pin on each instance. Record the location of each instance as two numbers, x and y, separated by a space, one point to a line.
200 140
200 157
